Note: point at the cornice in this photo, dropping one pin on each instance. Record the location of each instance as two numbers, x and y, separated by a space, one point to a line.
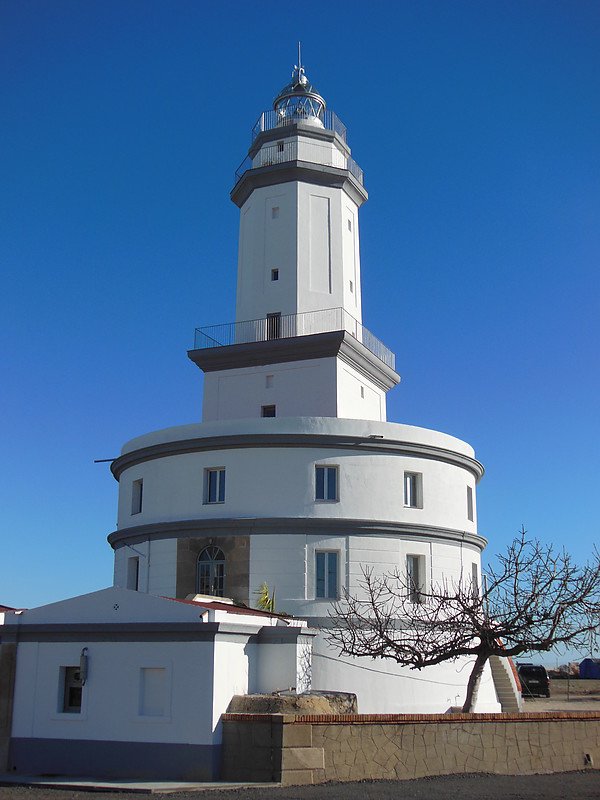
304 171
199 528
282 440
297 348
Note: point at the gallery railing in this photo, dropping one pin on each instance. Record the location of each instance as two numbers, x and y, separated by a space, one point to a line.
286 326
269 120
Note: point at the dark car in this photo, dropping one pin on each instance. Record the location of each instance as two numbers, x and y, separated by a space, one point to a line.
534 680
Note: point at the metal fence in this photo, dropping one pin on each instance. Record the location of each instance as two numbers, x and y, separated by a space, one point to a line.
303 150
269 120
286 326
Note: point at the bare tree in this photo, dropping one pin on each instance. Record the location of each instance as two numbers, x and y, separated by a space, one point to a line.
535 598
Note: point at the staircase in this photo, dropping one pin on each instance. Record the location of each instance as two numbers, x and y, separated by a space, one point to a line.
505 684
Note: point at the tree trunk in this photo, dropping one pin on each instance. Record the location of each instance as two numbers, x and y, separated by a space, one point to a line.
473 684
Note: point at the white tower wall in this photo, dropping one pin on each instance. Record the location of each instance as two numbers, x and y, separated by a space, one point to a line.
309 234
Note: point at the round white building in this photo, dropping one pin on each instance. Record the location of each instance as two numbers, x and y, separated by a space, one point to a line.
294 477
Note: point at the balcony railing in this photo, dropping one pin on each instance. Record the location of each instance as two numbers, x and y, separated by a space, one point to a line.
278 326
284 152
269 120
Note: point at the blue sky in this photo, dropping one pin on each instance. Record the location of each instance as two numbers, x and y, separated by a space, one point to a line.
478 127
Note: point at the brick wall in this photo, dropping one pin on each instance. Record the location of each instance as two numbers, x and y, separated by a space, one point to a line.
317 748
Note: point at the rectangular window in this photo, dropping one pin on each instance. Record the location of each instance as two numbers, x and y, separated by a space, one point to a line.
280 146
274 212
475 580
413 490
274 325
349 224
214 491
268 411
362 392
133 573
137 488
326 483
274 274
326 574
72 690
351 287
414 578
153 685
469 503
269 381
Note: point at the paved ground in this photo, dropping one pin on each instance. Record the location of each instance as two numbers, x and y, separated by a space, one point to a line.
576 785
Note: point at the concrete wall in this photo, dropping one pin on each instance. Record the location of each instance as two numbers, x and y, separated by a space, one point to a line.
314 749
312 239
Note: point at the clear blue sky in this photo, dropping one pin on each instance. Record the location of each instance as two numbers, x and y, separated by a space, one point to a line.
478 127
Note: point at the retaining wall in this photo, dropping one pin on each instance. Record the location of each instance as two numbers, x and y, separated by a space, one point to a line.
317 748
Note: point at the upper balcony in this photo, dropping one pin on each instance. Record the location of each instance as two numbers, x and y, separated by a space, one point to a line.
270 120
305 151
278 326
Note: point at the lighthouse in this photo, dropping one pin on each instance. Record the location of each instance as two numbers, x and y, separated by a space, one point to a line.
294 477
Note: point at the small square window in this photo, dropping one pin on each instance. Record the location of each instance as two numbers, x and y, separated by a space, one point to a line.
326 483
214 489
268 411
274 274
415 572
326 574
72 693
470 515
137 490
413 490
275 212
269 381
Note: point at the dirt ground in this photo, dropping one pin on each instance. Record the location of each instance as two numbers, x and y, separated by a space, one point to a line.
573 695
579 785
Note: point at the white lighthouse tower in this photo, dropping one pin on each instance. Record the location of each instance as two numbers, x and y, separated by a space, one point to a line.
294 477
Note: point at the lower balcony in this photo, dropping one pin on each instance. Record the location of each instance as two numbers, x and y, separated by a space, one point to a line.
287 326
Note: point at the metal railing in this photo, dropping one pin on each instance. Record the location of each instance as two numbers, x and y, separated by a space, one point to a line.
303 150
269 120
286 326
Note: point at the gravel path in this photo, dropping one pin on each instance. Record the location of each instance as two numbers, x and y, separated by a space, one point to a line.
576 785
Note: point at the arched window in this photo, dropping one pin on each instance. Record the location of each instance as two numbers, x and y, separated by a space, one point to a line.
211 572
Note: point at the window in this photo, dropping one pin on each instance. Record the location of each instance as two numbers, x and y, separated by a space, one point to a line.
326 483
475 580
214 491
280 147
414 578
362 392
274 212
351 287
137 488
469 503
269 381
72 690
413 490
211 572
326 573
349 224
133 573
274 325
268 411
153 694
274 274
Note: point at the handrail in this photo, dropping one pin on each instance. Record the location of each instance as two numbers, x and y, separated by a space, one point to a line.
286 326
